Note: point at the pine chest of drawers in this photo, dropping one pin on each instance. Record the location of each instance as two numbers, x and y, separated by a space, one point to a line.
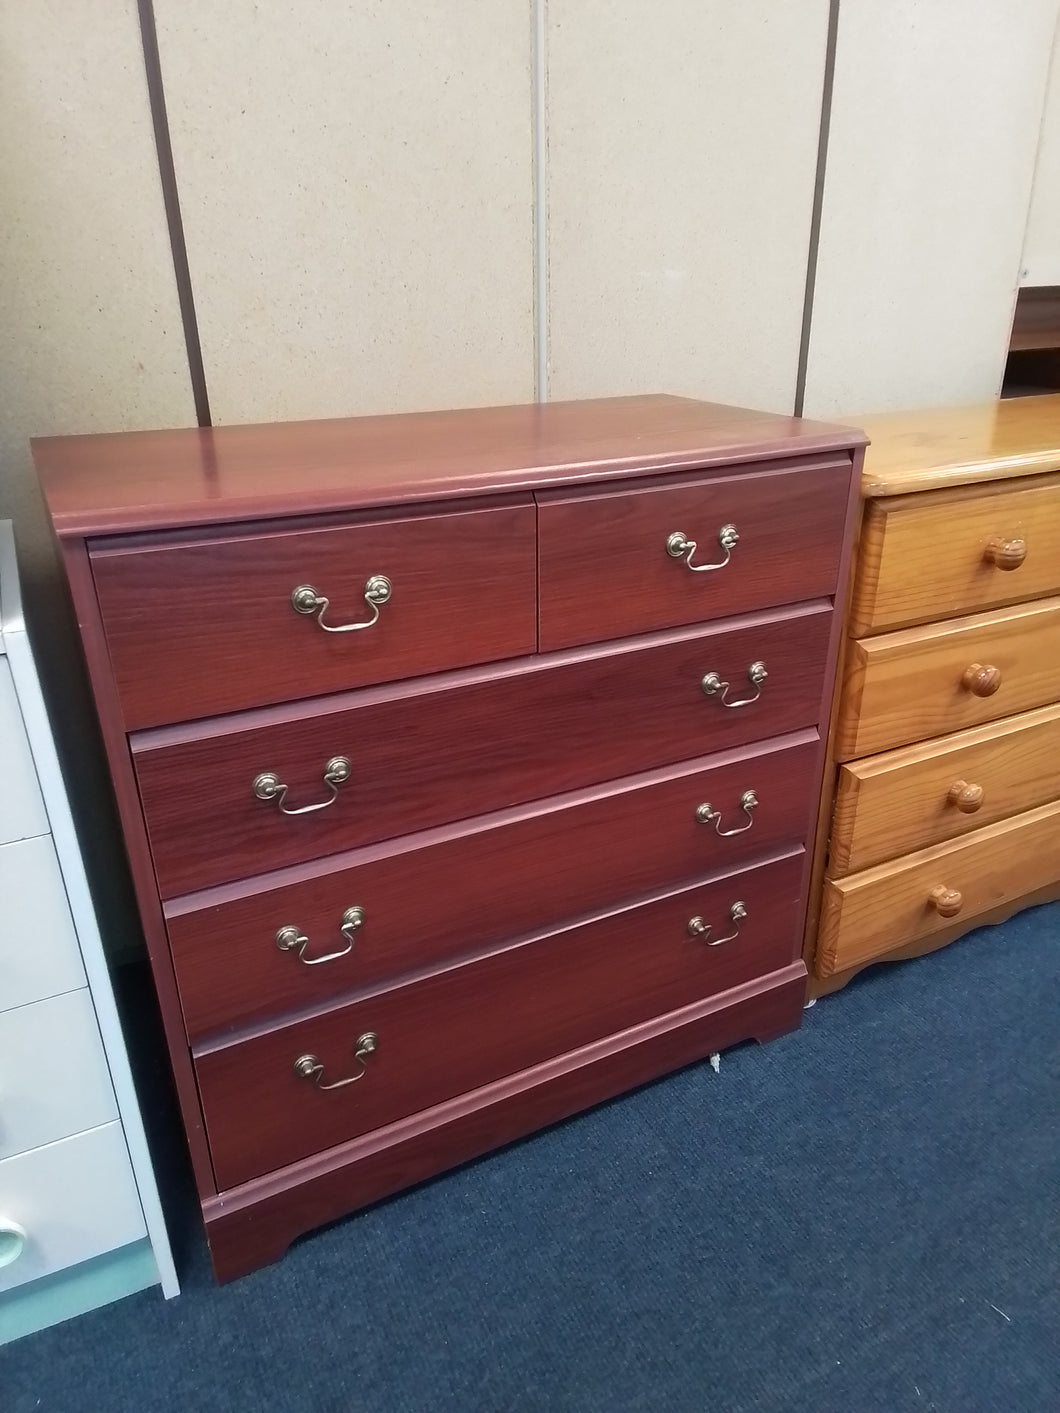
466 763
946 806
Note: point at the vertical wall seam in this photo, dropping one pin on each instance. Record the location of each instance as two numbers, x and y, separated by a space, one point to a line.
171 201
540 196
818 205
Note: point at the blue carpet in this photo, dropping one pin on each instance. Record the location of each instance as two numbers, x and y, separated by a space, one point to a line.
862 1216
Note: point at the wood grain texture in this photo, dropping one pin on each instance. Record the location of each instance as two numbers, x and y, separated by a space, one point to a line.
460 744
605 571
455 1031
463 592
870 913
441 895
256 1222
907 686
111 482
899 802
942 555
934 448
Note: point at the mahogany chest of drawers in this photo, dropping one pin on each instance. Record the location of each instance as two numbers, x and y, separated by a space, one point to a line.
466 761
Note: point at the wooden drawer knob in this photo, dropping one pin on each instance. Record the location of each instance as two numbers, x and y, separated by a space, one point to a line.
967 798
947 901
1005 554
981 681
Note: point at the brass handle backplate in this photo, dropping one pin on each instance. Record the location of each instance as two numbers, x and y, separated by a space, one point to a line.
1005 554
292 939
701 930
713 683
707 814
269 786
309 1067
967 798
679 546
947 902
981 680
377 591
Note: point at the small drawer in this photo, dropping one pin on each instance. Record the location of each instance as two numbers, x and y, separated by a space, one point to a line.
197 628
921 795
39 953
873 912
407 1049
943 554
922 682
612 563
66 1203
22 812
371 916
465 744
54 1079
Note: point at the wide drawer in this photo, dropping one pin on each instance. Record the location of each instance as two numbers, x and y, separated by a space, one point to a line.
22 812
435 896
871 913
39 952
923 682
196 628
74 1199
947 553
54 1079
452 747
921 795
408 1048
610 564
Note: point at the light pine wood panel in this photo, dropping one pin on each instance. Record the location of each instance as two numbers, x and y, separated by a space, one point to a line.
682 151
907 686
906 799
949 553
871 913
933 136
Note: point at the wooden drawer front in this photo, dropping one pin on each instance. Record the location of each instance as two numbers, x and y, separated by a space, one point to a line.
605 570
921 795
911 685
889 906
461 1028
22 813
196 629
939 555
434 897
74 1200
39 953
451 748
54 1079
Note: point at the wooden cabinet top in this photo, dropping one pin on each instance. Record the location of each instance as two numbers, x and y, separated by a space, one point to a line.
954 446
109 483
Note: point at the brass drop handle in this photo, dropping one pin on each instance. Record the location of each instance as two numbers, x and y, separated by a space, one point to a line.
967 798
701 930
980 680
679 546
377 591
712 684
269 786
947 902
707 814
309 1067
292 938
1005 554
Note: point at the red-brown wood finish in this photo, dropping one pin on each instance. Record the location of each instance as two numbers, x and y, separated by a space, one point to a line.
256 1222
108 483
463 591
443 894
456 745
605 571
463 1027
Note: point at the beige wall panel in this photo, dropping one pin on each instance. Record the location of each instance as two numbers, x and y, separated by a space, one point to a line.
682 142
1041 250
936 109
356 185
